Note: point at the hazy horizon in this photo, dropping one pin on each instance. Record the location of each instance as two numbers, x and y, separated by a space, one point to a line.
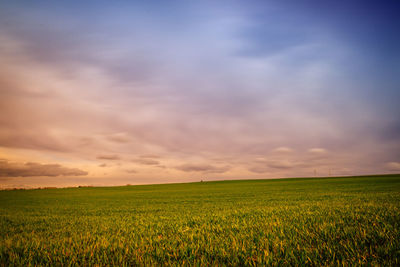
130 92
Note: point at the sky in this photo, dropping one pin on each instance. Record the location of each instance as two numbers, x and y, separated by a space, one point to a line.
137 92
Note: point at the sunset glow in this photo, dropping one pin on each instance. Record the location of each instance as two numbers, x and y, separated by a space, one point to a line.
135 92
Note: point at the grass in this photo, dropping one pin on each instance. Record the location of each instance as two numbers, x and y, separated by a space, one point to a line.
324 221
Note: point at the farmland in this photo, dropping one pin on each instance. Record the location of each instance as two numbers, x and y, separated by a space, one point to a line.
317 221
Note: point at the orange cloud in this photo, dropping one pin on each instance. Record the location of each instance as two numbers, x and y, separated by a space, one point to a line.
119 138
131 171
150 156
109 157
146 161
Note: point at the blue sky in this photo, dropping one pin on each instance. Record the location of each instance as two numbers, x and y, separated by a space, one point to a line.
105 93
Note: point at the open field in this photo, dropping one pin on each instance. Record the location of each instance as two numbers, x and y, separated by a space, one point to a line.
324 221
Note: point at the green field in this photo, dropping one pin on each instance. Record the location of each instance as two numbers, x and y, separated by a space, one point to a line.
324 221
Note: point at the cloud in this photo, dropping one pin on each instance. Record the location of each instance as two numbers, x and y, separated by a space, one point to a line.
30 140
263 165
259 169
206 168
393 166
131 171
150 156
317 150
109 157
119 138
281 164
161 166
146 161
29 169
283 149
103 165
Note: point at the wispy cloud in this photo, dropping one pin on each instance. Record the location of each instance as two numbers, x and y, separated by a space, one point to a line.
146 161
109 157
131 171
317 150
393 166
283 149
204 168
119 138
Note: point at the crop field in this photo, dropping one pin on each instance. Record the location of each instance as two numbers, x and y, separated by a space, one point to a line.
317 221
